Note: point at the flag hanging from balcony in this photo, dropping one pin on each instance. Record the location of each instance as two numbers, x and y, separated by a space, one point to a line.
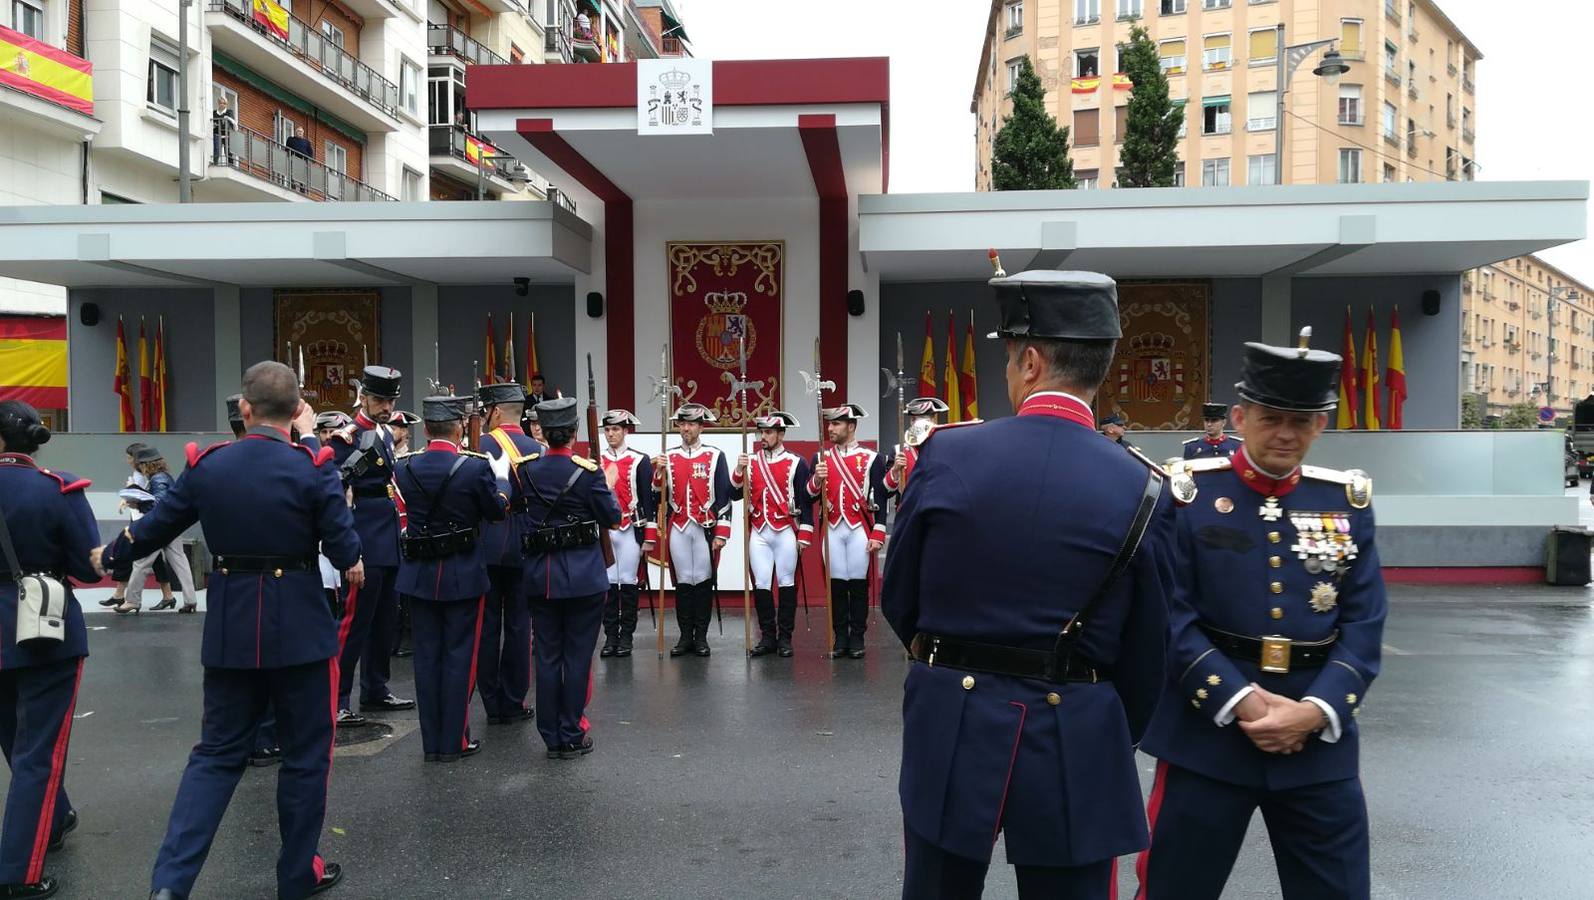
34 67
532 370
1396 376
1121 82
968 386
1348 400
927 362
158 385
490 355
272 17
949 375
1085 85
478 152
123 383
146 411
33 360
1371 409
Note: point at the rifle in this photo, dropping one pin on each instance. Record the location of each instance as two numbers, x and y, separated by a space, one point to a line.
817 387
605 540
473 423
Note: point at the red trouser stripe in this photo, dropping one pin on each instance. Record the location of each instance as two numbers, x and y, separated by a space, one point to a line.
63 735
1153 806
470 684
333 670
343 628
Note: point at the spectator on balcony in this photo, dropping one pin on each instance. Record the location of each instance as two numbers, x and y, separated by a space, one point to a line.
584 27
301 144
222 123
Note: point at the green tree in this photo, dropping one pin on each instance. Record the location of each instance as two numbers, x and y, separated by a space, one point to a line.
1031 152
1521 415
1471 411
1151 138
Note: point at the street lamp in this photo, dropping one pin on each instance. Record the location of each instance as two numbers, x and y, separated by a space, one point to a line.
1290 59
505 167
1556 293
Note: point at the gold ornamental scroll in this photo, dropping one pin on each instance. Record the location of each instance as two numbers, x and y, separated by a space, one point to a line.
338 333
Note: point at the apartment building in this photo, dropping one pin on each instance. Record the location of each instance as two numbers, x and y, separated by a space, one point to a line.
1404 112
1527 336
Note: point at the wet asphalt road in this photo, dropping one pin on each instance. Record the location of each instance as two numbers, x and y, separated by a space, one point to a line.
777 778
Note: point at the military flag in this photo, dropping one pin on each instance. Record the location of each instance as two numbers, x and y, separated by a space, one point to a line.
950 373
123 385
146 411
968 386
927 362
490 355
531 348
1396 376
158 385
1372 419
1349 403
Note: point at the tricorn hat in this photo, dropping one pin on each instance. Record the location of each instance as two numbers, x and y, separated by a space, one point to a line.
776 419
694 412
380 381
1295 379
622 417
846 412
1076 306
926 406
331 419
559 412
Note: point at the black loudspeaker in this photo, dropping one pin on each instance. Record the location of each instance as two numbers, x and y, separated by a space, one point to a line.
855 303
1430 303
1567 561
594 305
89 314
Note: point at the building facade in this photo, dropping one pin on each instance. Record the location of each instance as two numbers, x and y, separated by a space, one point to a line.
1527 337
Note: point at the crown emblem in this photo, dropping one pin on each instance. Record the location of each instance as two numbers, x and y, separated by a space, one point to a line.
675 79
1150 342
326 350
727 302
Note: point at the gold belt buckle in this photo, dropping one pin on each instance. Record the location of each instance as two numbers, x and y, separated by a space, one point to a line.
1276 654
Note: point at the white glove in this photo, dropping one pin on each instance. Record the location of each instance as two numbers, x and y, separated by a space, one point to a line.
500 466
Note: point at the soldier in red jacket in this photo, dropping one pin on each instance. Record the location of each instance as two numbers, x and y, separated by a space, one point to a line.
775 482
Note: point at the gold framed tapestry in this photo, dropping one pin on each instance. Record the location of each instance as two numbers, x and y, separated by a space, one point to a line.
338 332
1160 374
724 295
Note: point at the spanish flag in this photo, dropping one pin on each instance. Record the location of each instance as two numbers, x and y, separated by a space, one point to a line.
1396 375
531 349
950 374
272 17
1085 85
52 74
123 384
1370 376
967 385
33 360
1348 401
490 355
927 362
1121 82
158 385
145 400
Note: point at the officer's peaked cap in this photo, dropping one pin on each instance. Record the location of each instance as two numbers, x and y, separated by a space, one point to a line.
559 412
1214 411
381 381
1076 306
1295 379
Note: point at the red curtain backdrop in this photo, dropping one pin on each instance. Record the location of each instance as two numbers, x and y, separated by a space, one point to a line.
719 292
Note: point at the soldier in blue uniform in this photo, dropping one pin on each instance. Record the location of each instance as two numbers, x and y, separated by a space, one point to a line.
1214 443
448 493
1276 625
563 501
363 451
265 504
1028 692
51 532
503 674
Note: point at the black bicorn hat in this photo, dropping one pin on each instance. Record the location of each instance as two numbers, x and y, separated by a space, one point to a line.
504 392
559 412
1075 306
776 419
445 408
695 412
380 381
1295 379
623 418
1214 411
846 412
234 414
925 406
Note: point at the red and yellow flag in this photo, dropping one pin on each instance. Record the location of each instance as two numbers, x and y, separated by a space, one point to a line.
532 369
146 414
1121 82
509 350
1084 85
158 386
490 355
1371 408
123 383
927 362
33 360
1396 375
950 373
967 385
272 17
1349 402
34 67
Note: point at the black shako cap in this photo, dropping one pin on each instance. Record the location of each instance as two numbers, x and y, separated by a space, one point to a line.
445 409
1295 379
559 412
1073 306
381 381
509 392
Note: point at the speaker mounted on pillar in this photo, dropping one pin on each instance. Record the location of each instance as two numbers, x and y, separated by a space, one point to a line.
594 305
855 303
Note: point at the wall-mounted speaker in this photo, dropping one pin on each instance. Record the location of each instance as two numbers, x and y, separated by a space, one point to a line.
594 305
855 303
1430 303
89 314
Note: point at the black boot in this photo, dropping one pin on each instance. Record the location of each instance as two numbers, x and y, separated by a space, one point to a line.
611 622
764 602
628 608
857 614
685 618
839 608
705 616
786 620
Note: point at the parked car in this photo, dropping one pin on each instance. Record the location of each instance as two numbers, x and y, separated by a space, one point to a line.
1574 466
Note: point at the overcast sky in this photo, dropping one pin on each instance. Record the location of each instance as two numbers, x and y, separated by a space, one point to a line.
1532 104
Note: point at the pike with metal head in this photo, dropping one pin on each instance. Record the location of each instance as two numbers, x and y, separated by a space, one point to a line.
740 385
816 387
664 390
899 382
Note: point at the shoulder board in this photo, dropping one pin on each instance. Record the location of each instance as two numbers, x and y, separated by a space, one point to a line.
1235 437
947 427
473 453
1135 452
584 463
1191 441
67 483
1208 464
408 454
194 454
318 457
1358 484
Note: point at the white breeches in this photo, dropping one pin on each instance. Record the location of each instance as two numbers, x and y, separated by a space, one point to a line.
627 553
849 551
689 555
773 553
176 563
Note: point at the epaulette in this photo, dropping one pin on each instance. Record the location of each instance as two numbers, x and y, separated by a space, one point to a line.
945 426
1208 464
584 463
318 457
1181 475
408 455
1358 484
473 453
194 454
67 487
1192 440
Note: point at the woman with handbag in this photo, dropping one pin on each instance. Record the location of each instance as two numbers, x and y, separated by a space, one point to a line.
47 532
137 482
152 465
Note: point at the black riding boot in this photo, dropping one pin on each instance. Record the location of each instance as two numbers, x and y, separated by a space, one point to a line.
857 614
840 608
786 619
685 618
611 622
628 610
764 602
705 616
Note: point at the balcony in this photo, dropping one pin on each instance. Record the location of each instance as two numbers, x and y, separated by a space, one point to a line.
306 64
556 43
672 47
1450 69
254 163
1086 20
1467 135
448 41
1393 77
1392 140
24 105
467 157
1466 84
1352 119
1012 32
1411 91
1466 286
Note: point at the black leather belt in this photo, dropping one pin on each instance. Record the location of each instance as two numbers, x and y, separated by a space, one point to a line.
569 536
366 490
437 546
227 565
1274 653
997 659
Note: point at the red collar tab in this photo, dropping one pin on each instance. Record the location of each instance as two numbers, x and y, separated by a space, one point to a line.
17 459
363 420
445 446
1214 441
560 451
1059 406
1260 481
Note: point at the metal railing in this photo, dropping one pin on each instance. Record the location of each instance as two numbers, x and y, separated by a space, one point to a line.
323 56
1467 135
1466 84
259 155
446 40
556 40
675 47
449 140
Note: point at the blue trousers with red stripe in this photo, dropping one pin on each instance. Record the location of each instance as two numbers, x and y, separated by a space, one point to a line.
504 674
447 635
931 873
363 617
566 632
36 704
303 698
1318 833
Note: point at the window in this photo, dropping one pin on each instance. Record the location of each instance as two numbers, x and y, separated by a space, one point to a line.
1087 63
1215 115
162 93
1120 125
1350 104
1261 110
1015 16
1350 38
414 186
410 86
1386 123
1264 46
1178 173
1088 179
1087 11
1215 52
1262 169
1178 108
281 127
28 19
1214 4
337 158
1392 61
1350 165
1389 173
1087 127
1014 66
332 33
1130 9
516 55
1172 55
110 199
1215 172
1171 7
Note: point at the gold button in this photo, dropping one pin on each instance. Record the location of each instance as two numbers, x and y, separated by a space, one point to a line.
1196 703
1201 693
1276 587
1273 537
968 682
1351 699
1274 561
223 571
277 573
1276 613
1053 699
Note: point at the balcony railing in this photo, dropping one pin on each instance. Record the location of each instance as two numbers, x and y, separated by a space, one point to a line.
261 156
1450 69
1466 84
672 47
556 40
1393 77
322 55
452 140
446 40
1467 135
